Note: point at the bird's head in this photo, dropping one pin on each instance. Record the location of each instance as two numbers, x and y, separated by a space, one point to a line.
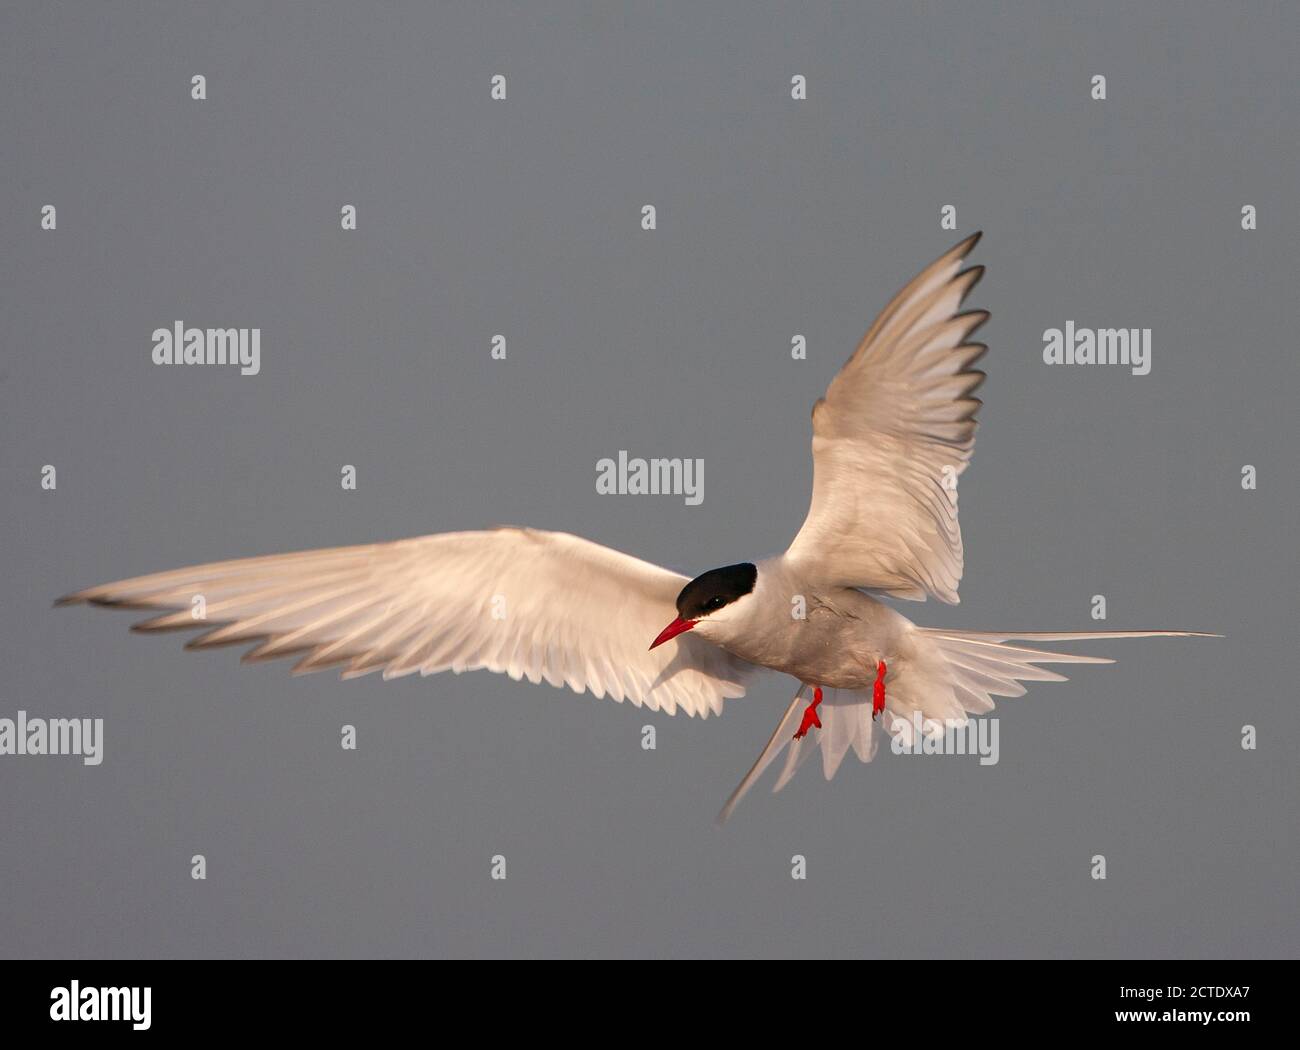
710 600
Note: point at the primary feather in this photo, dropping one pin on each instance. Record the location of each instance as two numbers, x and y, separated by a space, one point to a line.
545 606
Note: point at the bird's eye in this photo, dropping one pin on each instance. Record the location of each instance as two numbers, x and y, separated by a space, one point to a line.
716 603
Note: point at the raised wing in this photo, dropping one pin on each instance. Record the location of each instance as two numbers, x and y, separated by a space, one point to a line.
890 438
530 604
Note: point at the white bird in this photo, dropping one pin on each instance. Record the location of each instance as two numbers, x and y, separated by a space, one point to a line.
894 431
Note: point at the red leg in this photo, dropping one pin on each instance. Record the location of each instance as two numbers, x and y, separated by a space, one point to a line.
810 714
878 691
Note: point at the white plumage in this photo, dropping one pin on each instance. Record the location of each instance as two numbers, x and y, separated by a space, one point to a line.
890 439
530 604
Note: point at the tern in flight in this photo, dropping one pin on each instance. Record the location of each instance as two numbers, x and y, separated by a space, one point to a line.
894 431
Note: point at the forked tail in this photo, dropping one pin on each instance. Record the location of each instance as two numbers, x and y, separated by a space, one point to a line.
979 665
949 675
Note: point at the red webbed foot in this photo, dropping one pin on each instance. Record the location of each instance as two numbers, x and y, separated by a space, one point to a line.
878 691
810 718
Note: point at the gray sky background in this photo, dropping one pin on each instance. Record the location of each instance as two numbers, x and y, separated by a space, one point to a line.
522 217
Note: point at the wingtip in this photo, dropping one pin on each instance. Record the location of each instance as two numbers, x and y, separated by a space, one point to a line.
965 247
972 275
85 596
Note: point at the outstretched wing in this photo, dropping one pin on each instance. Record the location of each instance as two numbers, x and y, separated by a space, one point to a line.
890 438
530 604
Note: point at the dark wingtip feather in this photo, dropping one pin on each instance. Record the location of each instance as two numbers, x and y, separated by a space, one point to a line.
151 627
964 248
122 603
205 641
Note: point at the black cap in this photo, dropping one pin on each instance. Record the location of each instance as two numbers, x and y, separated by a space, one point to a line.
715 589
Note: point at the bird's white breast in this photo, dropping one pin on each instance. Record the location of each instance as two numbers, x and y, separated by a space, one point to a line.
827 637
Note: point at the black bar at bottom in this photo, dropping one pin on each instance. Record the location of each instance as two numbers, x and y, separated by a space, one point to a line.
338 998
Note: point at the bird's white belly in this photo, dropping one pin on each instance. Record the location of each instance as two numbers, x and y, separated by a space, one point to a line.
837 644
